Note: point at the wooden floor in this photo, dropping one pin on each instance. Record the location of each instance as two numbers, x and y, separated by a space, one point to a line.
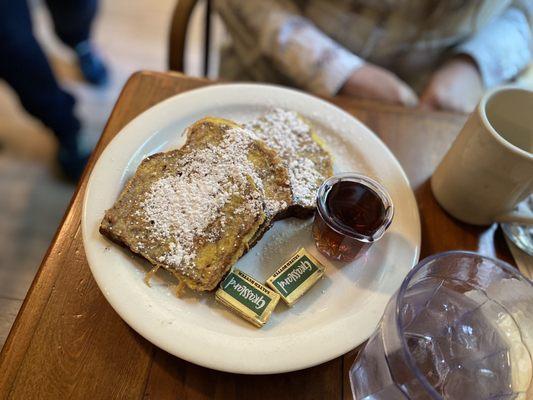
131 35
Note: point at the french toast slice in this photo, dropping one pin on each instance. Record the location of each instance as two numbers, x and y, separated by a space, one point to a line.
270 169
194 211
302 152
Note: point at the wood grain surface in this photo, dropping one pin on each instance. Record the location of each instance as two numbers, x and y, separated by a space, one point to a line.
67 341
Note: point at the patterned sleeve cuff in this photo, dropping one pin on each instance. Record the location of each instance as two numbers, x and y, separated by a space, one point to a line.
502 49
305 54
336 71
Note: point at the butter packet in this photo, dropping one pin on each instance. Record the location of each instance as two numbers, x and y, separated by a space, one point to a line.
247 298
296 276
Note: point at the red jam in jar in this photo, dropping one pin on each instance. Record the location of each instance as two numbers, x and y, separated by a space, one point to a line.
353 212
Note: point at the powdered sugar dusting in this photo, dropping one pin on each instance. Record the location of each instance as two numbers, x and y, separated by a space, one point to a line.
305 180
183 206
286 133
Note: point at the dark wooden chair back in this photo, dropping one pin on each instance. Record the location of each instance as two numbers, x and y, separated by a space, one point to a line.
178 34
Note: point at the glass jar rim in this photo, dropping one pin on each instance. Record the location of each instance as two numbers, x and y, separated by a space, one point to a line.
399 302
370 183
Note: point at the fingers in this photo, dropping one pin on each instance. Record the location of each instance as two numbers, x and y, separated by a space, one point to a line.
455 86
407 96
376 83
428 101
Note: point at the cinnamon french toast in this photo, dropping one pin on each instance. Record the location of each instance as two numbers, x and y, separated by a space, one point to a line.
194 211
302 152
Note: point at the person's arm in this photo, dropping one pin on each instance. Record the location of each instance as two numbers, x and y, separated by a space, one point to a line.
502 48
307 56
302 52
495 54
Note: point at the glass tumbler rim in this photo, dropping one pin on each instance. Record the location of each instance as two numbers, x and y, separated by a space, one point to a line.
403 288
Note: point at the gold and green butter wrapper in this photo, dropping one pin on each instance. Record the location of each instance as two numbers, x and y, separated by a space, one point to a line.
247 298
296 276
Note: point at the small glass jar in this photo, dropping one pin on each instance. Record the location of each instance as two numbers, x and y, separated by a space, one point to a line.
353 211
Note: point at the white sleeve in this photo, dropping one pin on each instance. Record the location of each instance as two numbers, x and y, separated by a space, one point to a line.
502 48
302 52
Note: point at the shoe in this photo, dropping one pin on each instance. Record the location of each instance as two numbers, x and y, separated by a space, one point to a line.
72 163
92 66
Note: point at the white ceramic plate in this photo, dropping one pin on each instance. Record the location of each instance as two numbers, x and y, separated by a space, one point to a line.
339 313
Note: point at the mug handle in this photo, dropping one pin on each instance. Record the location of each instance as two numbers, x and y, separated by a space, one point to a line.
523 214
516 217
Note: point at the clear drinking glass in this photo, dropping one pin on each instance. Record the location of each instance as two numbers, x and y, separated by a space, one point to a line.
460 327
521 235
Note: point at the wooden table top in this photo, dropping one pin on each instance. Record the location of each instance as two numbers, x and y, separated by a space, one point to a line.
67 341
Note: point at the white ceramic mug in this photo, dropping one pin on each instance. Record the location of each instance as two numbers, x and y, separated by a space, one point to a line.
489 168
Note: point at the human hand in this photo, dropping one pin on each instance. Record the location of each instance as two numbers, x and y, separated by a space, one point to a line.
376 83
456 86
